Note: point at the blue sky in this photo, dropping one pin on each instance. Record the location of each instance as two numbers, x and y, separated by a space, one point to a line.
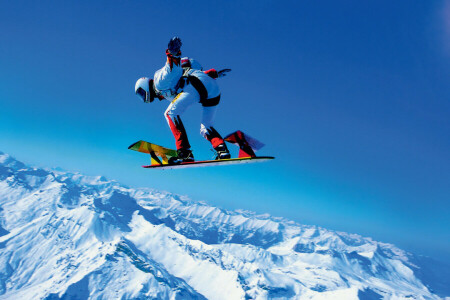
352 97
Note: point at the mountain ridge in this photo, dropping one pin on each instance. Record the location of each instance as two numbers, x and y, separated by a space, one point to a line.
67 235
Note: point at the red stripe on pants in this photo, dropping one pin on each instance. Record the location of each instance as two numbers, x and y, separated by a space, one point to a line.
178 131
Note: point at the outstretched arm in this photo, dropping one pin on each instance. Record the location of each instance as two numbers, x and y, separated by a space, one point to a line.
216 74
211 73
167 77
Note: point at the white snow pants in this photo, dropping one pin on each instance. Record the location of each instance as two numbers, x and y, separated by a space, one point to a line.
178 106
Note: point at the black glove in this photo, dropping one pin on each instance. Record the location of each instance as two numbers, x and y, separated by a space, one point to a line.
223 73
174 45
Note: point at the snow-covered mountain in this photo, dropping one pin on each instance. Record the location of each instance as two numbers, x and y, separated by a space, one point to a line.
68 236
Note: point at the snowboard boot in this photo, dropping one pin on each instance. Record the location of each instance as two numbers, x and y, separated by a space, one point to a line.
183 155
222 152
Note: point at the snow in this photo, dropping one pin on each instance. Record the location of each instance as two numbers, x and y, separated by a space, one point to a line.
66 235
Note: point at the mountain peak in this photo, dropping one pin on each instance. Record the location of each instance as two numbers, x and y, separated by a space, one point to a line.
8 161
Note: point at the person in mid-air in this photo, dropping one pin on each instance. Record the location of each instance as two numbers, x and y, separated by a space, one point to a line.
183 82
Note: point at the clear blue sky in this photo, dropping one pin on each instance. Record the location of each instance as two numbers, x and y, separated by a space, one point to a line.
352 97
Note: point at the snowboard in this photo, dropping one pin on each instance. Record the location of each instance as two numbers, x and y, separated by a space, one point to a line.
160 155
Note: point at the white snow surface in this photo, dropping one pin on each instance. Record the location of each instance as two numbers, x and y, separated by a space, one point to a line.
69 236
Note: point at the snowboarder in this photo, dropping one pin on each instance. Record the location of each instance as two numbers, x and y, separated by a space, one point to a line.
183 82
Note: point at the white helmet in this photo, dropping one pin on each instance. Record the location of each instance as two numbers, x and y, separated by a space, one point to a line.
144 89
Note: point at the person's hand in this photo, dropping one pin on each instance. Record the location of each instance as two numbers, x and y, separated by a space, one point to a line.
223 73
174 45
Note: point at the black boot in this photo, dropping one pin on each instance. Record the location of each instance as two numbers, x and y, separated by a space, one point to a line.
183 155
222 152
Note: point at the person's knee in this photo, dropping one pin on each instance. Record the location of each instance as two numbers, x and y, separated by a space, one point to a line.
168 113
